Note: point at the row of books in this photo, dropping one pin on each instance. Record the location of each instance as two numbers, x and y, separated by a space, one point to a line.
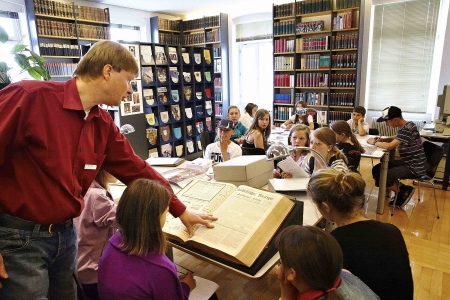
283 63
315 61
312 6
312 98
342 4
339 115
312 26
282 112
218 96
344 61
343 80
342 99
55 49
56 28
344 21
312 80
283 10
217 82
92 32
205 22
218 110
284 80
283 45
284 27
344 41
60 69
53 8
312 44
169 38
194 38
91 13
212 36
165 24
282 98
217 52
218 65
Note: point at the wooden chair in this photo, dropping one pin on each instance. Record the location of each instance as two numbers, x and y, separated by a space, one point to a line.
433 154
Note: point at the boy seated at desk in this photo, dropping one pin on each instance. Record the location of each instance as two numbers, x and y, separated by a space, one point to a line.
357 123
223 149
410 148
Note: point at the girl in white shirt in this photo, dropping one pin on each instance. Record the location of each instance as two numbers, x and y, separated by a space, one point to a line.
247 118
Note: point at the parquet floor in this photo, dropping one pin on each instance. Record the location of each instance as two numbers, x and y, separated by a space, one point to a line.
427 239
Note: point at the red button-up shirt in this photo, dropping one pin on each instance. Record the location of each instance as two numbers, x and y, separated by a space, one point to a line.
49 153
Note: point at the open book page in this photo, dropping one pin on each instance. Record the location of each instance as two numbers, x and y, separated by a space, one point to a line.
289 165
199 196
247 221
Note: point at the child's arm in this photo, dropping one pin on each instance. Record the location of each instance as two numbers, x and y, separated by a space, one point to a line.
361 129
287 125
258 140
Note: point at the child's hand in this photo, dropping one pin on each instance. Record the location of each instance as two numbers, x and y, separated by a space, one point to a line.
189 280
276 173
286 175
360 120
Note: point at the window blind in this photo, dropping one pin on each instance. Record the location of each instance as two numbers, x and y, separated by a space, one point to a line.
403 41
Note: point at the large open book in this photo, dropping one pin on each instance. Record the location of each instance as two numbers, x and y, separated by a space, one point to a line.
248 219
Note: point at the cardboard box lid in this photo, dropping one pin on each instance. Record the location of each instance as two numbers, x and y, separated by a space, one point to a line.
242 168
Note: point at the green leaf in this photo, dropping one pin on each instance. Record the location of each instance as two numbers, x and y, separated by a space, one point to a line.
36 57
21 60
3 35
18 48
34 73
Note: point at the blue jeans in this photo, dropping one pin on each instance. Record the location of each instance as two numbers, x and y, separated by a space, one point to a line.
39 263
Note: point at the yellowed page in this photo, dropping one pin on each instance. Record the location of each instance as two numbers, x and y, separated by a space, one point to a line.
199 196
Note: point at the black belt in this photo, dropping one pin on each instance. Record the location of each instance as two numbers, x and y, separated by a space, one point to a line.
21 224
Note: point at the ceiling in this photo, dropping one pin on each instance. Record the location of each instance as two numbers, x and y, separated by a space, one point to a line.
191 7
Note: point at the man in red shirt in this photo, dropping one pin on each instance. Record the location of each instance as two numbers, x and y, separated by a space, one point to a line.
54 139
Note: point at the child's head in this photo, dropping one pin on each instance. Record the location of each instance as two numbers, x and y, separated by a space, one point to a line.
310 256
342 130
225 129
340 192
324 141
233 113
251 109
299 135
141 214
359 112
261 120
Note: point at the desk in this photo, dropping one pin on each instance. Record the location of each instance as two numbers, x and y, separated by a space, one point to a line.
310 217
440 136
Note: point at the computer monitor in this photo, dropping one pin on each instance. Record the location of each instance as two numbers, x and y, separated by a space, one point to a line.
444 101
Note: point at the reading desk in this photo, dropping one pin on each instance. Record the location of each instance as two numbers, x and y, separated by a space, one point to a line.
310 217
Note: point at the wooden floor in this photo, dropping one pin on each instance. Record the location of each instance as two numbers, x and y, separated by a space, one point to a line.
427 239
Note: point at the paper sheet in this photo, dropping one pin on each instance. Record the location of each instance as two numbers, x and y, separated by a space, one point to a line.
290 184
289 165
204 290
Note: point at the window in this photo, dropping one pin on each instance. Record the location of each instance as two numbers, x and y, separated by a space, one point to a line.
9 21
127 33
403 41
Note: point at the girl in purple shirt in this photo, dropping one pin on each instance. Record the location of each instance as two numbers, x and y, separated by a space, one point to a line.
133 264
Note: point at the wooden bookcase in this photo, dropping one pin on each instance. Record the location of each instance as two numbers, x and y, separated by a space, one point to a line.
59 29
316 58
165 31
178 101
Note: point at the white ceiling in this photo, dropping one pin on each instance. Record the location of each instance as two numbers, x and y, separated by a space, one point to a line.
192 7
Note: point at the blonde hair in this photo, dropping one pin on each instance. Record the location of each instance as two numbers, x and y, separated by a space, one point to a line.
328 137
342 191
103 53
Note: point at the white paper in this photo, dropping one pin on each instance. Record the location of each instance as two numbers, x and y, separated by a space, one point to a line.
289 165
163 161
204 289
289 184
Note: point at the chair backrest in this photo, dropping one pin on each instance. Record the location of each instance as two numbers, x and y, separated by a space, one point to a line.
204 140
316 125
253 151
434 155
373 131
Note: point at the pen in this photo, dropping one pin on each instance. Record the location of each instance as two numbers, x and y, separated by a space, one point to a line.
184 268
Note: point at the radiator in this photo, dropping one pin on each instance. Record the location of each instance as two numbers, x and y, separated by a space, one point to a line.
388 131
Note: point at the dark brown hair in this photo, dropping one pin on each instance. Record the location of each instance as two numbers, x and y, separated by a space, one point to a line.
249 107
103 53
261 113
342 191
298 117
314 254
138 216
328 137
360 109
342 127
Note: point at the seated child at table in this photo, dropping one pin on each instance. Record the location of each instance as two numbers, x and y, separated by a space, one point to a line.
348 144
239 128
311 267
324 141
94 227
374 251
133 264
299 118
223 149
247 118
258 133
357 123
298 136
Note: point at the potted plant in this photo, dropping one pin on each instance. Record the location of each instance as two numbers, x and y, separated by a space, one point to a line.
25 58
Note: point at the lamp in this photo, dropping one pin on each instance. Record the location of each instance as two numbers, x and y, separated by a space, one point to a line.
126 129
277 151
301 111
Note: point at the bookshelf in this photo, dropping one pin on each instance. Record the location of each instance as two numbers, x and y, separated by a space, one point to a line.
316 54
165 31
178 98
58 30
